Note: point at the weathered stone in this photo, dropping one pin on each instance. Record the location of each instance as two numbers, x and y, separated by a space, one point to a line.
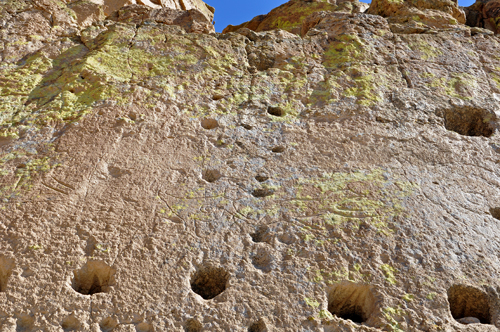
290 15
190 20
426 13
341 175
484 14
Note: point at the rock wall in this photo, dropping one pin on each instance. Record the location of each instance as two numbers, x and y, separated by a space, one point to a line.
157 176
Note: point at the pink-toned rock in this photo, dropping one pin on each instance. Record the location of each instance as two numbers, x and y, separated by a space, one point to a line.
424 13
290 15
190 20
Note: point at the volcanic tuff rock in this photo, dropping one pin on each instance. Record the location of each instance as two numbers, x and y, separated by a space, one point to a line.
338 174
484 14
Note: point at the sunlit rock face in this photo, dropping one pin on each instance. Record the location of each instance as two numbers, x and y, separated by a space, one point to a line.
336 172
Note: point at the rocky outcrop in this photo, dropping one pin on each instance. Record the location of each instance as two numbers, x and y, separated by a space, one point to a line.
191 21
415 16
484 14
338 177
290 15
27 27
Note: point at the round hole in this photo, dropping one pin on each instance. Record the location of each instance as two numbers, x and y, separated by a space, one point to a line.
262 192
469 304
94 277
495 212
276 111
352 301
262 234
259 326
261 178
209 124
278 149
209 282
211 175
468 122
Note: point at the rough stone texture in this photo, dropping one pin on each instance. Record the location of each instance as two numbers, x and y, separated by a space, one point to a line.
422 14
290 15
484 14
343 178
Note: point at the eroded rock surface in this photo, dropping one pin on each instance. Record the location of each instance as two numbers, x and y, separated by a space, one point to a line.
339 176
484 14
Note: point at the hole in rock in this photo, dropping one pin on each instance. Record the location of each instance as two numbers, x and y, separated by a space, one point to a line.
261 178
217 96
246 126
209 124
468 122
276 111
262 192
259 326
211 175
94 277
209 282
261 234
278 149
108 324
192 325
495 212
349 300
467 303
6 267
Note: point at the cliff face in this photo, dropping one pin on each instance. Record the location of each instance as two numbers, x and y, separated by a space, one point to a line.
338 176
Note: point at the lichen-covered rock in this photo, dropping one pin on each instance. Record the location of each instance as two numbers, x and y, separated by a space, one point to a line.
156 177
421 13
290 15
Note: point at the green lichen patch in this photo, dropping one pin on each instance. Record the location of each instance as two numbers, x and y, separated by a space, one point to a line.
459 85
424 48
350 200
345 49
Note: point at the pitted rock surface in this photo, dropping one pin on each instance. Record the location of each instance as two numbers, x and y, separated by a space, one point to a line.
337 174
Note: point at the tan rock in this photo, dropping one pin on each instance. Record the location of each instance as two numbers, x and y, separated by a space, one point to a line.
190 20
426 13
342 178
290 15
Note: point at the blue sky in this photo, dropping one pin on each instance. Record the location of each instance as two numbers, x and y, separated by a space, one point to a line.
238 11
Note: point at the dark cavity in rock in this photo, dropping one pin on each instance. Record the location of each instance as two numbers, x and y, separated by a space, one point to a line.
469 302
94 277
209 282
352 301
468 122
